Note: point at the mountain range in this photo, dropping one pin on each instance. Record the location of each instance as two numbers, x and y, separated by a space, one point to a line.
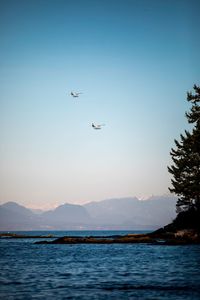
119 214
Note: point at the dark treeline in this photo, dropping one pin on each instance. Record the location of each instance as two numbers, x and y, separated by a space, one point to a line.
186 168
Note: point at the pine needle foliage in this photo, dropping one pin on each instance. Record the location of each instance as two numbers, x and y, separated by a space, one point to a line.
186 159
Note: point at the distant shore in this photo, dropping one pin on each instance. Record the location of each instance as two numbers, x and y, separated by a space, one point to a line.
24 236
158 237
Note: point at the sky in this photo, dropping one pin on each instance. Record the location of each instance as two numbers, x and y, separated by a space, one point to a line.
133 61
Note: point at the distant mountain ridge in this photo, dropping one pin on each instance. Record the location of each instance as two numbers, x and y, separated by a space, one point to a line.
66 214
16 217
119 213
153 212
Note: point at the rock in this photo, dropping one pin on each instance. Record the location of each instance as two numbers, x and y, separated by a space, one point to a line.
159 237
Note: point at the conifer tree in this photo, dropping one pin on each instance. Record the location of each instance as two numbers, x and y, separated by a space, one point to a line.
186 160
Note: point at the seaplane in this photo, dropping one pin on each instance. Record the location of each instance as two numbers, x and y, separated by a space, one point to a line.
75 94
97 126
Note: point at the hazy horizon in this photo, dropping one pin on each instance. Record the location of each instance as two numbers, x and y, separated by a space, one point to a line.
48 206
109 213
132 60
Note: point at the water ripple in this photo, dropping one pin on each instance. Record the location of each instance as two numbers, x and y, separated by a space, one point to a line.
101 272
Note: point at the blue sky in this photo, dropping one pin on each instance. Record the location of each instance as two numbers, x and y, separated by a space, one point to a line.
133 61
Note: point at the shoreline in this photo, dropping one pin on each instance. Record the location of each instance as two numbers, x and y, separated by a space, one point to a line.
9 235
182 237
159 237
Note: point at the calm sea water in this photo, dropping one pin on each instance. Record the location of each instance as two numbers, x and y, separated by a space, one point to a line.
116 271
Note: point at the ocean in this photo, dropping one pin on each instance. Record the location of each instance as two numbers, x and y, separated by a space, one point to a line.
97 271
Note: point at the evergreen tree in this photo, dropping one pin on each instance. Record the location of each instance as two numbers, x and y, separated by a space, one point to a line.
186 160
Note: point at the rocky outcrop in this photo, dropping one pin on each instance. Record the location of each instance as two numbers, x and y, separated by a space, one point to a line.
176 237
159 237
134 238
